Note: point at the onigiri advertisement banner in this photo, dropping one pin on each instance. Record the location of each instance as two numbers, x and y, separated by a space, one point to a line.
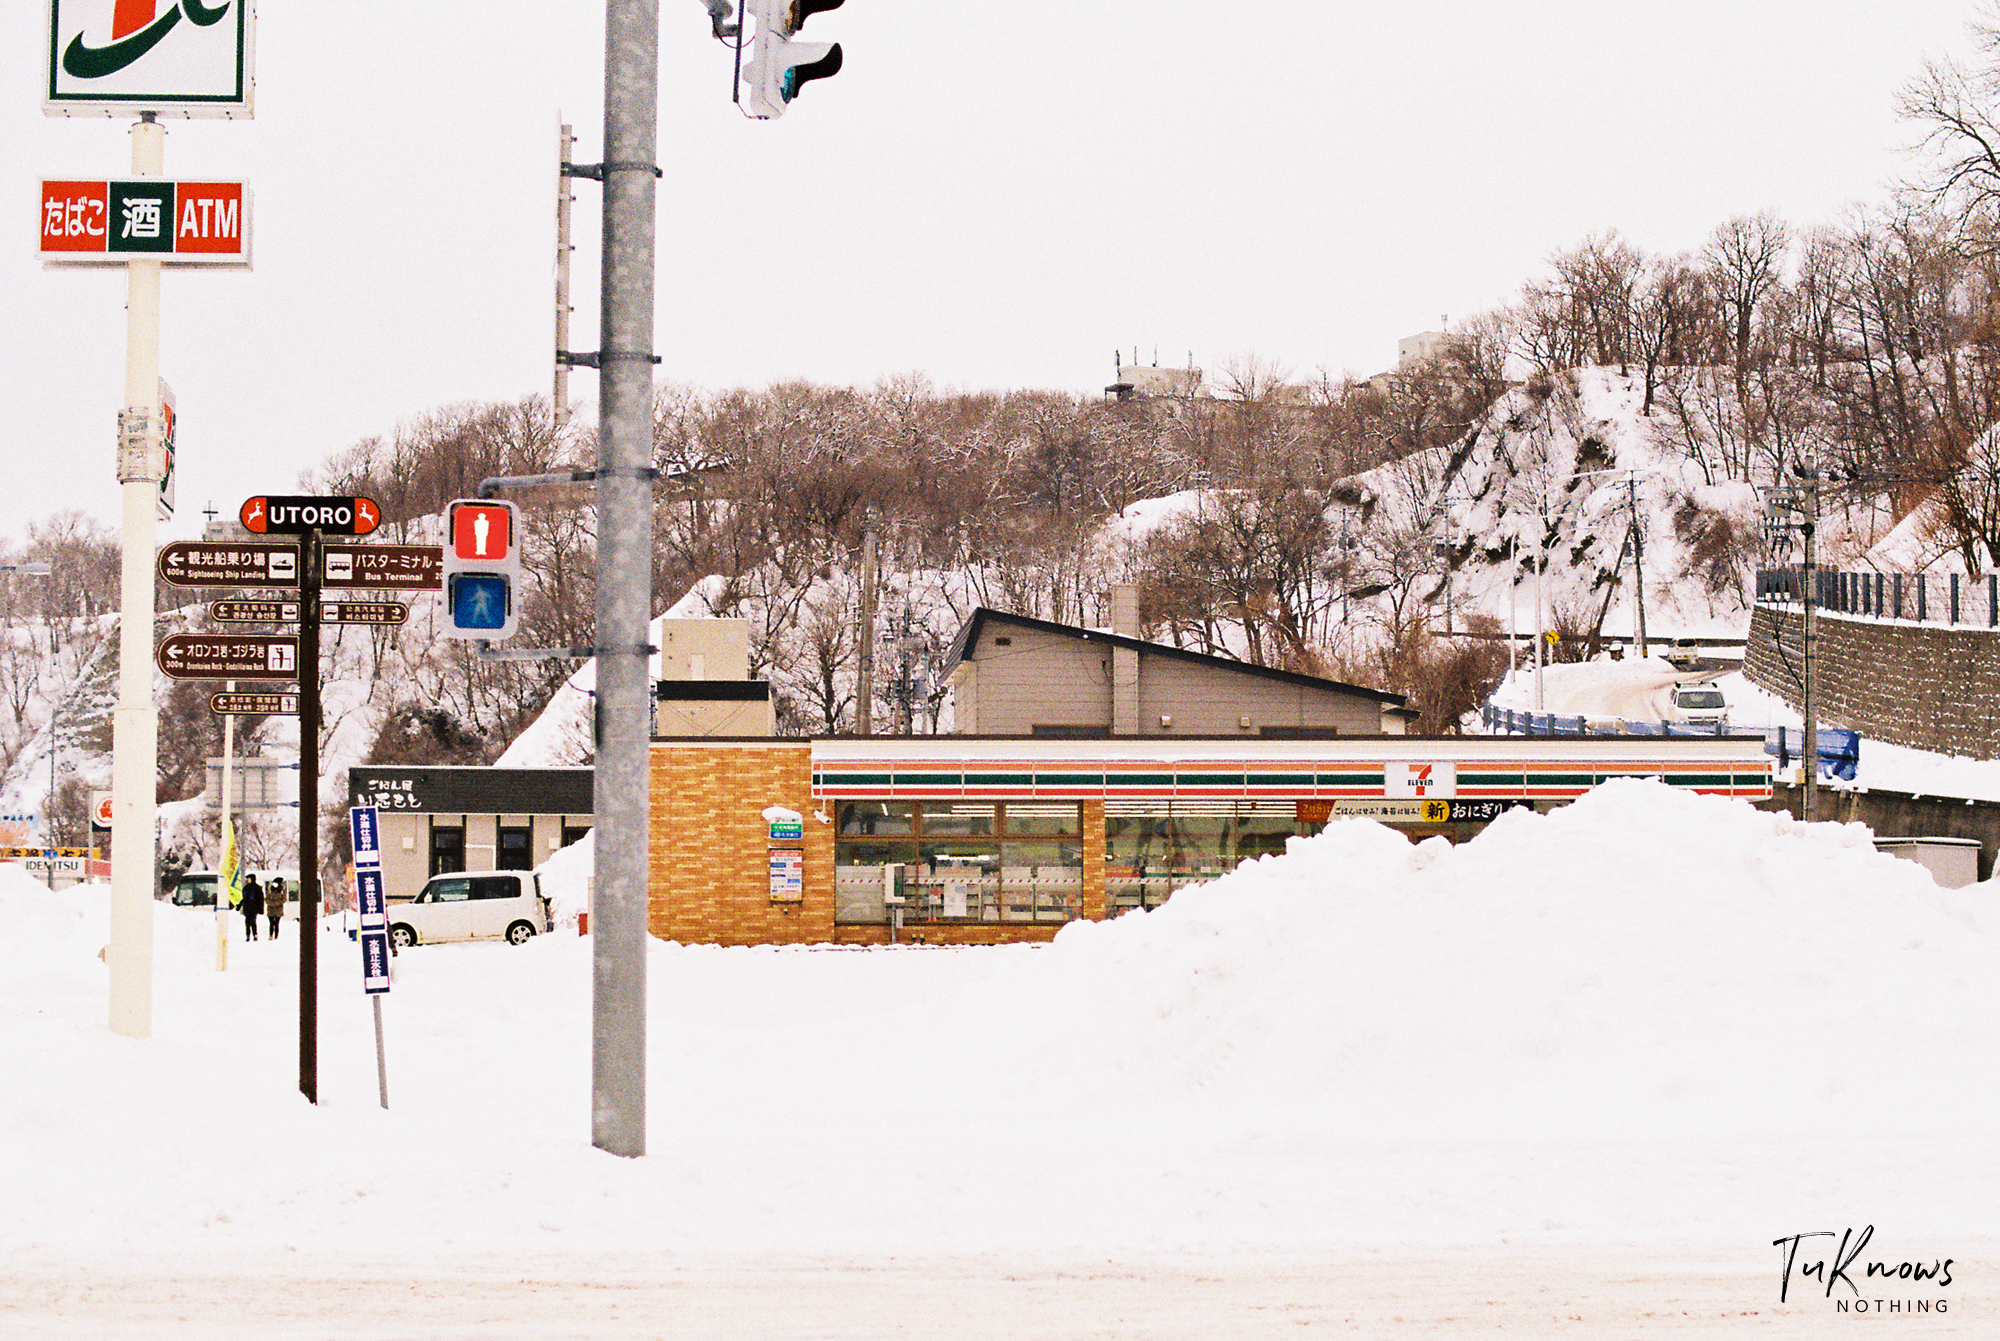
175 57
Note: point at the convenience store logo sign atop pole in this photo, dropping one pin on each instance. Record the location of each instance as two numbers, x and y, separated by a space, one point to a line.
187 58
179 223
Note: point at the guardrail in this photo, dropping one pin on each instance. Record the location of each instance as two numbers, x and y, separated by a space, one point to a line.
1839 751
1925 598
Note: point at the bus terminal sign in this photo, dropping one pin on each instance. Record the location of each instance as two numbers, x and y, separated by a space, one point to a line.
117 220
175 57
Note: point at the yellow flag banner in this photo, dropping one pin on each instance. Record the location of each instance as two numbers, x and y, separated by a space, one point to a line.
232 870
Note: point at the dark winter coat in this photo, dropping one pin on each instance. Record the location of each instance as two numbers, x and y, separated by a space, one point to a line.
253 899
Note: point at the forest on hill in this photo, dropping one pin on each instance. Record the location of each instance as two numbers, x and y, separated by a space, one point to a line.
1346 526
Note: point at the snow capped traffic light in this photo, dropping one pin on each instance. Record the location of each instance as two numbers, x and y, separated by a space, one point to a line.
482 566
779 67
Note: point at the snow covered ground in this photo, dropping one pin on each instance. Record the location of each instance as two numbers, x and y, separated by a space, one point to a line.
1531 1048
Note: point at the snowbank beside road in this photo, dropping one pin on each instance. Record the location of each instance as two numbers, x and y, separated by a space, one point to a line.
1649 1014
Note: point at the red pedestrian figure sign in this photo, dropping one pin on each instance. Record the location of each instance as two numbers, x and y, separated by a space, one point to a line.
482 531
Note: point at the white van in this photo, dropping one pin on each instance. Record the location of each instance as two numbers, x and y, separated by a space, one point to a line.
1700 705
465 906
196 889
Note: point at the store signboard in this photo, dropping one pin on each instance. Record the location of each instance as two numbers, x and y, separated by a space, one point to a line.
788 875
112 221
173 57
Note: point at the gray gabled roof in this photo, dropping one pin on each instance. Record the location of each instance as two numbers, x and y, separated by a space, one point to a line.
983 616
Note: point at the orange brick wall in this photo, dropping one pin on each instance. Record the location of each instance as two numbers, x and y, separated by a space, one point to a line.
1093 862
709 868
710 874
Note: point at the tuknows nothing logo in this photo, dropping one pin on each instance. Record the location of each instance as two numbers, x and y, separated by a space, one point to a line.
136 28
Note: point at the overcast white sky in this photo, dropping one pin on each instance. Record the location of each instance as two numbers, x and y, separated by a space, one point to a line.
996 196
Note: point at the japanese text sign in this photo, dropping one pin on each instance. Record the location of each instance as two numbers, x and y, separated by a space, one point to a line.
177 223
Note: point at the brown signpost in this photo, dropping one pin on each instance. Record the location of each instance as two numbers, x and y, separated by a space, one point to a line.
363 612
383 567
259 705
254 612
224 656
207 563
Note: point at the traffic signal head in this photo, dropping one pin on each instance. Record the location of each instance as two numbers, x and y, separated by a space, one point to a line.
482 568
779 67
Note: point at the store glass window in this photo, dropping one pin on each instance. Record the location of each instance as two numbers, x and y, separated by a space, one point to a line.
871 818
1152 848
964 861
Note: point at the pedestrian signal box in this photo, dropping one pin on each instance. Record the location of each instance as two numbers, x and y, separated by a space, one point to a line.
482 568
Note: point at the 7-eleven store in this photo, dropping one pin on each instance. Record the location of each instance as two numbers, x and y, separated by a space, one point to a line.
970 840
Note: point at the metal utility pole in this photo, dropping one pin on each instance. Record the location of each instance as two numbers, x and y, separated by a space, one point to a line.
1809 793
565 198
864 687
1541 610
310 571
624 577
135 724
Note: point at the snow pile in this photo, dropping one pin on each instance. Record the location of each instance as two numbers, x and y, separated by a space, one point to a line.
1650 1014
1538 981
565 880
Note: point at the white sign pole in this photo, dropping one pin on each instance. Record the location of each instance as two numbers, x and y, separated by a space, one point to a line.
222 885
135 729
365 830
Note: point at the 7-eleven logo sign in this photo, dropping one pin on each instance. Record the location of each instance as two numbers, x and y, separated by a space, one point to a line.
1420 781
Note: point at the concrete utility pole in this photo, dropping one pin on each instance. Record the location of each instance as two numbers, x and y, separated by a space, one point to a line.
864 687
1638 558
135 740
624 576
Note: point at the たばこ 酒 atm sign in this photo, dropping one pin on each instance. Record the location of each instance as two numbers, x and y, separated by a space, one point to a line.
176 223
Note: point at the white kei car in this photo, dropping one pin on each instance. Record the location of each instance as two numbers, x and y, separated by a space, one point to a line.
462 906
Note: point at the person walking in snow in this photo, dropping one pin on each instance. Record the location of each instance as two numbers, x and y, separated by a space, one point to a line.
253 907
274 903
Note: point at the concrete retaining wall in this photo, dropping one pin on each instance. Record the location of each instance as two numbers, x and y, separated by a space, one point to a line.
1924 686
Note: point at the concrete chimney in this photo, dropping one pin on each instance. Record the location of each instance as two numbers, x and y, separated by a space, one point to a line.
1125 661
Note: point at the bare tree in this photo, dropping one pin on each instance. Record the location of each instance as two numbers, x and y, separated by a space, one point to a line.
1746 256
1953 105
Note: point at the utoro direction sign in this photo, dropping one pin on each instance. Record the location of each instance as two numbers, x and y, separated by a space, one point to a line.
254 612
363 612
383 567
207 563
278 514
224 656
259 705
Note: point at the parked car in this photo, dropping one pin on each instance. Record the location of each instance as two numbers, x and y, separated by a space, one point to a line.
462 906
1700 705
196 889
